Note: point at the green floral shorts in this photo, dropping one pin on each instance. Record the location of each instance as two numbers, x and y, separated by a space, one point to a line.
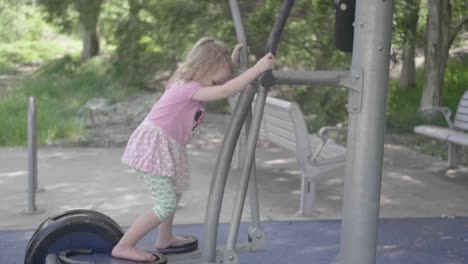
163 193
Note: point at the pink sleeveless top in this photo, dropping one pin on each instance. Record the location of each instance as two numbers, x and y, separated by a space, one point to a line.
158 144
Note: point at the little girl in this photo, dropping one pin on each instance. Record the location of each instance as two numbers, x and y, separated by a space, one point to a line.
157 148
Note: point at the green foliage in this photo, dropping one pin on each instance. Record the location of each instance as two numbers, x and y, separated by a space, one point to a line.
7 68
455 83
152 36
145 37
405 19
459 13
21 52
60 88
403 104
61 13
25 37
321 105
21 21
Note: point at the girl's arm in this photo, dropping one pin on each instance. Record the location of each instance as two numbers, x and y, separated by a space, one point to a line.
237 84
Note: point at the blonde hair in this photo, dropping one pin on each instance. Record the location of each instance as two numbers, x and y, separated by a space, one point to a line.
205 58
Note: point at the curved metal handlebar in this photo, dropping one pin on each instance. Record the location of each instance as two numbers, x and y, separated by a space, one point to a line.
267 79
275 33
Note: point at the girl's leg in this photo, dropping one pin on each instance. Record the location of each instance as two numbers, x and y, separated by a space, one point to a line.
165 201
141 226
165 236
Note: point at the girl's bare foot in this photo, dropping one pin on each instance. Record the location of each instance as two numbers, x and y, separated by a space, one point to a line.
173 242
132 253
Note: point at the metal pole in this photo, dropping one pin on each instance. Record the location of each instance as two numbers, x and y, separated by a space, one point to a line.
241 39
327 78
32 158
249 161
240 33
253 193
372 37
218 181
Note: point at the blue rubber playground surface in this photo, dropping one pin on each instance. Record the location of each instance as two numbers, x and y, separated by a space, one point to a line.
401 241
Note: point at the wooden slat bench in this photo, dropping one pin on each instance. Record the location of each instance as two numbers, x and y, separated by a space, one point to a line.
283 125
454 134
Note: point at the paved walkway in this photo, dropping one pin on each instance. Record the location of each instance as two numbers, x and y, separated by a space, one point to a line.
413 185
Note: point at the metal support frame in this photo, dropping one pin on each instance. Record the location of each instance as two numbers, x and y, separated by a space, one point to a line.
223 163
252 191
361 200
352 79
255 230
246 172
367 83
224 159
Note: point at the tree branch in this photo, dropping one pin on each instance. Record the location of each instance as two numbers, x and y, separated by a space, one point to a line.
456 28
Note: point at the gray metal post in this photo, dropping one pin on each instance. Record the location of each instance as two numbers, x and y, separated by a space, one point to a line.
223 162
253 193
32 155
249 161
218 181
32 158
244 57
372 38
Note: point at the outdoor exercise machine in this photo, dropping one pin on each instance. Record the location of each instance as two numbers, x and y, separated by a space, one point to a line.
363 27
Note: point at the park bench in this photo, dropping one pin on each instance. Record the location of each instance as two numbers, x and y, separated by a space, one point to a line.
454 134
283 125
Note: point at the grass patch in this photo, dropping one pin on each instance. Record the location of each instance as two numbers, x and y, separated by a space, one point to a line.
21 52
61 88
403 104
7 68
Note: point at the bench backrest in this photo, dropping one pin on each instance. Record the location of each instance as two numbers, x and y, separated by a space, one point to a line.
461 117
283 123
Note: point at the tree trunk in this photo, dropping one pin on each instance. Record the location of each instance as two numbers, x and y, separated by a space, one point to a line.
132 50
436 51
89 14
90 43
408 70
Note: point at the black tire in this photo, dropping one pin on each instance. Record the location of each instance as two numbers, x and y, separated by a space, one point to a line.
72 229
69 213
